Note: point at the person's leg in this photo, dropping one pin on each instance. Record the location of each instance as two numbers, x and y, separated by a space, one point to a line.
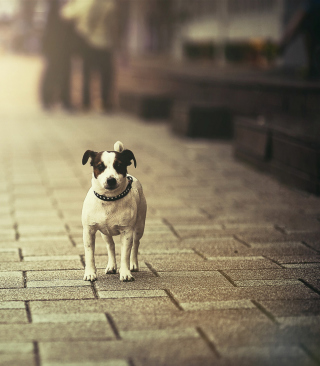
86 72
46 86
66 83
106 79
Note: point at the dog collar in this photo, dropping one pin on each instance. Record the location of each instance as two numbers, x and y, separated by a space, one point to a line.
119 196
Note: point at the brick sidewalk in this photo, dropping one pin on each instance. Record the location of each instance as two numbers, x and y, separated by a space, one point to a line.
230 264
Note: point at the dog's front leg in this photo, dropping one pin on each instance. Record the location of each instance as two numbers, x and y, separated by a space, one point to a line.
112 265
126 245
89 236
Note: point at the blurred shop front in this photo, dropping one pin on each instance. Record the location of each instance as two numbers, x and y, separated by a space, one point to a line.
237 31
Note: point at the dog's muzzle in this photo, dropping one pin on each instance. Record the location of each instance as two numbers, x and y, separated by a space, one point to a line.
111 183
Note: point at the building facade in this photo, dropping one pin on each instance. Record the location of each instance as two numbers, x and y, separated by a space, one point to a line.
169 26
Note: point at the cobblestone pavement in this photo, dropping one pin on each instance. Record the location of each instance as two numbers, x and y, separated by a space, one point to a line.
230 264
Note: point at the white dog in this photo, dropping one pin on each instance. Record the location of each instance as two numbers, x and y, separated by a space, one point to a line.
114 205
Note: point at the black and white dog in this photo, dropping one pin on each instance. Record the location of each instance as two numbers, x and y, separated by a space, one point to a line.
114 205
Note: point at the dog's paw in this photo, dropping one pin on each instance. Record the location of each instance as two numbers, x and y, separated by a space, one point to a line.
111 269
90 276
126 276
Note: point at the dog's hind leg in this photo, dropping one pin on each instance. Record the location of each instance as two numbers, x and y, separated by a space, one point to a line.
126 247
137 235
112 265
134 265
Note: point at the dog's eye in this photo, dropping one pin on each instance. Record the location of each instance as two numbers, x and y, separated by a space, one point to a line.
117 164
101 167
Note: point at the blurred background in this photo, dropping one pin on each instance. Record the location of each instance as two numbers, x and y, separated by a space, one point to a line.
243 70
229 30
198 34
246 34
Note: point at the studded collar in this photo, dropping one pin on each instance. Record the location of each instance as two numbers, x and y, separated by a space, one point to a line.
119 196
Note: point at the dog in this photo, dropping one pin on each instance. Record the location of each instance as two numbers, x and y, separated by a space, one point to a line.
114 205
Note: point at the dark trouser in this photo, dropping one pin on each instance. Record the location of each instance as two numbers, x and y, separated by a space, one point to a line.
101 61
55 85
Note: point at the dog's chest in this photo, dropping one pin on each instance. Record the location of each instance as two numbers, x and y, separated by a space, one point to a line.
110 217
118 213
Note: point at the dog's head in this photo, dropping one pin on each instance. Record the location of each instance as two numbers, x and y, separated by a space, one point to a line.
110 167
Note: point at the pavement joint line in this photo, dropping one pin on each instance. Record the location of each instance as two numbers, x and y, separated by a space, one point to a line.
57 299
209 216
311 287
17 235
228 278
82 260
130 362
113 326
273 261
58 283
12 212
156 274
94 289
200 254
265 312
60 214
53 200
20 254
277 227
310 247
241 241
71 240
67 227
24 276
28 311
310 354
165 221
36 353
210 344
173 300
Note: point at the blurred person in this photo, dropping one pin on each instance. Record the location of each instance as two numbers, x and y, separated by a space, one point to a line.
96 22
56 48
306 21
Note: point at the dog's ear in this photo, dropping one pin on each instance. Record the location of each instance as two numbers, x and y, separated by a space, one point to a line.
118 146
127 156
88 154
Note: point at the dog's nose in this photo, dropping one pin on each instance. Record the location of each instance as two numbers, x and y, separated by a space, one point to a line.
111 182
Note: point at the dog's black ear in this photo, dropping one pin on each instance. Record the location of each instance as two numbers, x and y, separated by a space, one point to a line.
88 154
127 156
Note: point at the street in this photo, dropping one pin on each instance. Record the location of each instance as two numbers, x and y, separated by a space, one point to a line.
229 262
